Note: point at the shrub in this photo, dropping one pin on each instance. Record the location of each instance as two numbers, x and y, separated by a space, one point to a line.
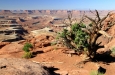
80 36
27 55
96 73
76 36
113 51
26 48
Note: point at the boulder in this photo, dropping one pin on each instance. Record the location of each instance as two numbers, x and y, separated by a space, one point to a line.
14 66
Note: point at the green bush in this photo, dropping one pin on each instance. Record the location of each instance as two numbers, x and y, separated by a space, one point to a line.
26 48
76 36
96 73
27 55
113 51
80 36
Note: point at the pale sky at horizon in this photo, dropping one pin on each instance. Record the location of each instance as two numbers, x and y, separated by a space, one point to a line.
57 4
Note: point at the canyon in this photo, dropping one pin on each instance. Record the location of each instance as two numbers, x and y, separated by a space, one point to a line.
40 28
53 12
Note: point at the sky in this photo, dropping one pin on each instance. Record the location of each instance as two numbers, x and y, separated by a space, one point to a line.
57 4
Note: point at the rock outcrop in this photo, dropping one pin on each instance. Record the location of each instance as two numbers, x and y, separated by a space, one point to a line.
11 48
14 66
42 41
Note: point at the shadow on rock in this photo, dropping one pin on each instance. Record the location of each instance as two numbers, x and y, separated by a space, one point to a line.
51 70
104 57
35 53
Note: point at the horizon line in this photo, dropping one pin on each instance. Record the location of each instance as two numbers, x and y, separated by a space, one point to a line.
57 9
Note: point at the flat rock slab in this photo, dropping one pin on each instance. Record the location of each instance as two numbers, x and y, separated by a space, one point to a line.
14 66
11 48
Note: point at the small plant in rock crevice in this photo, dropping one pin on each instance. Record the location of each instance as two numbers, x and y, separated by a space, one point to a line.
113 51
53 43
96 73
26 49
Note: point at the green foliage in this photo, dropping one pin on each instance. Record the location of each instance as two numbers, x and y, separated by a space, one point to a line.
113 50
80 36
76 35
26 48
27 55
96 73
64 33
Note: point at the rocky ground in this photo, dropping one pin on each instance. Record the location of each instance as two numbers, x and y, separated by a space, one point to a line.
14 66
54 57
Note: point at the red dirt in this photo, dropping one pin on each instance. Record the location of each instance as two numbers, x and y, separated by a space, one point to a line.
53 56
64 62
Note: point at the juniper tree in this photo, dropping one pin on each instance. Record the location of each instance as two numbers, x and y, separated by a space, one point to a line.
83 38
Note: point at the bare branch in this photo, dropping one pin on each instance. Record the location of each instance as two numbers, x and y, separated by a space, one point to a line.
104 18
92 12
70 18
97 14
86 30
110 25
64 22
83 18
92 20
